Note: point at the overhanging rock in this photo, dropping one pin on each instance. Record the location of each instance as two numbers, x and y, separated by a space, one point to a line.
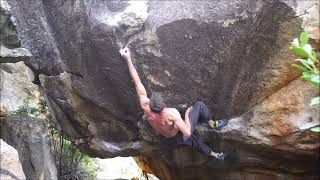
230 54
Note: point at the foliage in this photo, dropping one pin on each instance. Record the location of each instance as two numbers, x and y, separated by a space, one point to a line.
71 163
315 129
26 108
308 64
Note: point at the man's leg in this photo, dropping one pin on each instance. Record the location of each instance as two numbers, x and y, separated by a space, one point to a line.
194 142
199 112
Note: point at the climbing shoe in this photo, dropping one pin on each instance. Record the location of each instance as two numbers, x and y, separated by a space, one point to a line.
221 157
218 124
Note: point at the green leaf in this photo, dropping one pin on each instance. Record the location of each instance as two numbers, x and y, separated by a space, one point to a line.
315 129
313 78
305 63
299 51
307 48
314 56
307 76
315 101
309 61
303 38
298 67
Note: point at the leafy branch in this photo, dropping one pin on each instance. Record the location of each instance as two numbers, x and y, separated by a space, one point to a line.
308 64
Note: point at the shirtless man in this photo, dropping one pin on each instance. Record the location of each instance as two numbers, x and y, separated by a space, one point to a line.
167 121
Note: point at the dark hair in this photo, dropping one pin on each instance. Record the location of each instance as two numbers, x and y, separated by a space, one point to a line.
156 102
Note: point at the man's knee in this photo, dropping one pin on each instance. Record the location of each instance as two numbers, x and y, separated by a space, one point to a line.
199 103
186 139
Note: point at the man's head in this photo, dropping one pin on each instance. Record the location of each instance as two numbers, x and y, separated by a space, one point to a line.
156 102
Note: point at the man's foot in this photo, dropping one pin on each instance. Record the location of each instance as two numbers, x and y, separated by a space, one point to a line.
217 124
218 156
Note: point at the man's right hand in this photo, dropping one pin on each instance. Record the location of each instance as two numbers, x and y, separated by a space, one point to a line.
125 53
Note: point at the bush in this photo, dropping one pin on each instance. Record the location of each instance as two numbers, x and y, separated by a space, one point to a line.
72 164
308 64
26 109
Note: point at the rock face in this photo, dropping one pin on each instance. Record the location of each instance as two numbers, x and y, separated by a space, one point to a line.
273 133
309 12
27 135
282 121
15 85
10 50
225 55
10 164
8 31
234 55
16 78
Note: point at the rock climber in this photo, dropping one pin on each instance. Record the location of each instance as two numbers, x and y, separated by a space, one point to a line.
167 121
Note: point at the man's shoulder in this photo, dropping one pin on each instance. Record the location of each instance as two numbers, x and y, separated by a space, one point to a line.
173 113
172 110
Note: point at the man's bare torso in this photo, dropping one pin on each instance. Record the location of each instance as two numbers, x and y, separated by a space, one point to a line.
163 122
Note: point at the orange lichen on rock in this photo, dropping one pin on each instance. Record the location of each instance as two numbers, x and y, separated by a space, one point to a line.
284 108
156 166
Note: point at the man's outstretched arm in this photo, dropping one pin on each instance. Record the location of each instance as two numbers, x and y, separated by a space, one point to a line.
141 91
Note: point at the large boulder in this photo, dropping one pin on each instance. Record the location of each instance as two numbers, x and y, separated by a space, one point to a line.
27 135
273 134
234 55
10 50
231 56
11 168
16 78
16 86
8 31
